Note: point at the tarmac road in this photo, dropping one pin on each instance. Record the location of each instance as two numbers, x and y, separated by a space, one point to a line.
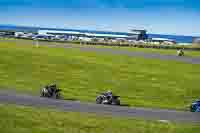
104 50
117 111
186 59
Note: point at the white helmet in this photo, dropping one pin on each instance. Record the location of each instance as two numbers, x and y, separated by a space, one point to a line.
109 92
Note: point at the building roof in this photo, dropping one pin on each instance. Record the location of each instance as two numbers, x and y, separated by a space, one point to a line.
59 32
135 31
81 33
161 39
106 35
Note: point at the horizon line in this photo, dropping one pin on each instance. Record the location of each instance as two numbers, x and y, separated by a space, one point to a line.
17 25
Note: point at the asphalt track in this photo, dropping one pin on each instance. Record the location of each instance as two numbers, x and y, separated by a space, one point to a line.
104 50
117 111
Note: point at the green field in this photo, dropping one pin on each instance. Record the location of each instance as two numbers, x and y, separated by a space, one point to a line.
146 50
25 119
82 75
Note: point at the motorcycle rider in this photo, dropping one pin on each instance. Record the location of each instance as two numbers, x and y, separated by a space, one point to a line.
108 98
45 90
52 89
180 52
108 95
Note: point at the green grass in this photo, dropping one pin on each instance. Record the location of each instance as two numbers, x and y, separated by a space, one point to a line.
26 119
146 50
82 75
150 50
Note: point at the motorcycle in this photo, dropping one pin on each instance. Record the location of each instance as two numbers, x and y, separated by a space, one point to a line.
103 99
51 93
195 106
180 53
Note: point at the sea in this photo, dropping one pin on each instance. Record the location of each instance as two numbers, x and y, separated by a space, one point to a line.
177 38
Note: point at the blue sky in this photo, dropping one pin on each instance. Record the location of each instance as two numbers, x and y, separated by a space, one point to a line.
157 16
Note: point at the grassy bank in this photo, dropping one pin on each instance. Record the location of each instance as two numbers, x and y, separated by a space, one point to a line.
82 75
25 119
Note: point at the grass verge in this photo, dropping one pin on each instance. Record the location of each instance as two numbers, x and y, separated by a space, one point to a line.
82 75
134 49
26 119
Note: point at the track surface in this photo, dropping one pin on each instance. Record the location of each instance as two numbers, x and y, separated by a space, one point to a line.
149 114
192 60
185 59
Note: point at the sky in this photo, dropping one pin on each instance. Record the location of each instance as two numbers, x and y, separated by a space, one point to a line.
181 17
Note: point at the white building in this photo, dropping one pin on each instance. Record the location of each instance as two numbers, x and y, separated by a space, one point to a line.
162 40
81 34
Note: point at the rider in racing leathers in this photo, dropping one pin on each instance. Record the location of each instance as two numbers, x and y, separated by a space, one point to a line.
50 89
108 95
180 52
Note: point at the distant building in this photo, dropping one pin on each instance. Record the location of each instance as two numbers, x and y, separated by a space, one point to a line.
134 35
138 34
162 40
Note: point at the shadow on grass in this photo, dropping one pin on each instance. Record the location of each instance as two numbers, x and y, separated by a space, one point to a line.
125 105
74 100
70 99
